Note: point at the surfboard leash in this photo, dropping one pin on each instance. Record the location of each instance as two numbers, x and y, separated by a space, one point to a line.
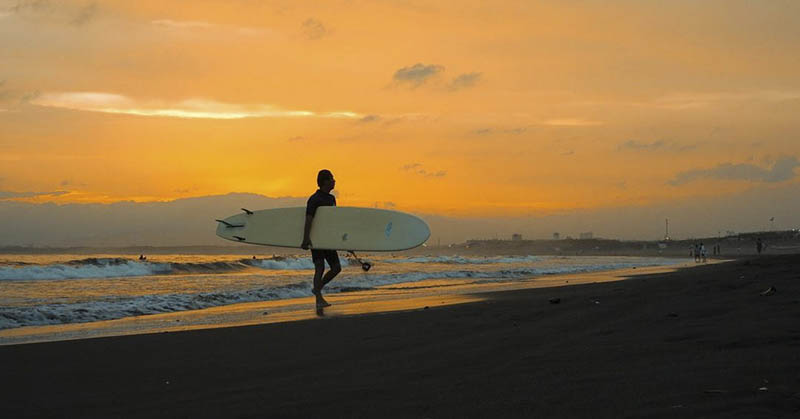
364 265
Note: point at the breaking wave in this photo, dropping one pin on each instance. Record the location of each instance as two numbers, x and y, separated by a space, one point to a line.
121 267
460 260
116 308
119 307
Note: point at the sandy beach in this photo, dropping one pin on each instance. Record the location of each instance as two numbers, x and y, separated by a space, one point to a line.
697 342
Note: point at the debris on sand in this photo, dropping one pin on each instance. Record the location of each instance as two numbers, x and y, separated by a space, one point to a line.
769 291
715 391
555 300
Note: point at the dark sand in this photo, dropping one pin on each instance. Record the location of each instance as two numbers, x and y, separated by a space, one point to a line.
699 342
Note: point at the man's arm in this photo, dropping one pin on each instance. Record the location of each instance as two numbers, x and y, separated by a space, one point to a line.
307 232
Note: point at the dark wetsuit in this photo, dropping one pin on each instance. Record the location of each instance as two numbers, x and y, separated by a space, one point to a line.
322 199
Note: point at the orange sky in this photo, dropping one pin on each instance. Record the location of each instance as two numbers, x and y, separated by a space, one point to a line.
454 108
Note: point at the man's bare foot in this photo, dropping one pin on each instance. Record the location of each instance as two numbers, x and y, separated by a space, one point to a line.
320 301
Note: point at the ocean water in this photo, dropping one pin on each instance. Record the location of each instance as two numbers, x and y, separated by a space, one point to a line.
62 289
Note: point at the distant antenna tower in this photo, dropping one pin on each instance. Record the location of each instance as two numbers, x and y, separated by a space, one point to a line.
666 230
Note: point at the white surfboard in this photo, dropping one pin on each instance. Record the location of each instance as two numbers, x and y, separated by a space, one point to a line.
335 228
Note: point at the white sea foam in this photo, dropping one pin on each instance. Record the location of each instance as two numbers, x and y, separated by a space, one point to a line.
460 260
367 280
283 264
120 268
115 308
88 270
287 287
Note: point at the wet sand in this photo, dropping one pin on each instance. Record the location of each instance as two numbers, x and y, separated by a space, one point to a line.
699 342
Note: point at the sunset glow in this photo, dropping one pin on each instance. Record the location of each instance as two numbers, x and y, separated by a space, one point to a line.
457 108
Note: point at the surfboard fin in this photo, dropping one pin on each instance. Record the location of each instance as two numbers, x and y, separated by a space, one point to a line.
240 238
247 211
229 225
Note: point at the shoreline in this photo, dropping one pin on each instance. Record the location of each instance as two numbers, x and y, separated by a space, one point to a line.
699 342
383 299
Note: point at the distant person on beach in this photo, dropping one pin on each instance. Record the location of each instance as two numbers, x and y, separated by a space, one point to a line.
702 253
759 245
321 198
142 257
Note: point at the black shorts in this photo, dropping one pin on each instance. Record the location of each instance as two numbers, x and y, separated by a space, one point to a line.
319 255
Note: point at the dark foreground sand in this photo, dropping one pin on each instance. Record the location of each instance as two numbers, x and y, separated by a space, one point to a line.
700 342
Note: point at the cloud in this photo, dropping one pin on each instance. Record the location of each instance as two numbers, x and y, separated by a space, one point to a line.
417 74
640 145
4 94
571 122
66 182
417 168
370 118
655 145
4 195
182 24
781 170
170 223
63 12
385 205
568 153
29 5
15 97
492 131
190 108
28 97
694 100
296 138
197 26
313 29
85 15
465 80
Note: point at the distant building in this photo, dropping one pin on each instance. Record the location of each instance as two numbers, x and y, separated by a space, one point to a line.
587 235
556 236
516 237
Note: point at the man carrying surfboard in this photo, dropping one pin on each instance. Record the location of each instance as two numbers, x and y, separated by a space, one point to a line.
321 198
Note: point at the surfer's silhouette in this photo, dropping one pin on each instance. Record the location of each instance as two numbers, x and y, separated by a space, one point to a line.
321 198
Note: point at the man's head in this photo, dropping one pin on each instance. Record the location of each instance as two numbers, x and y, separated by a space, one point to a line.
325 180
